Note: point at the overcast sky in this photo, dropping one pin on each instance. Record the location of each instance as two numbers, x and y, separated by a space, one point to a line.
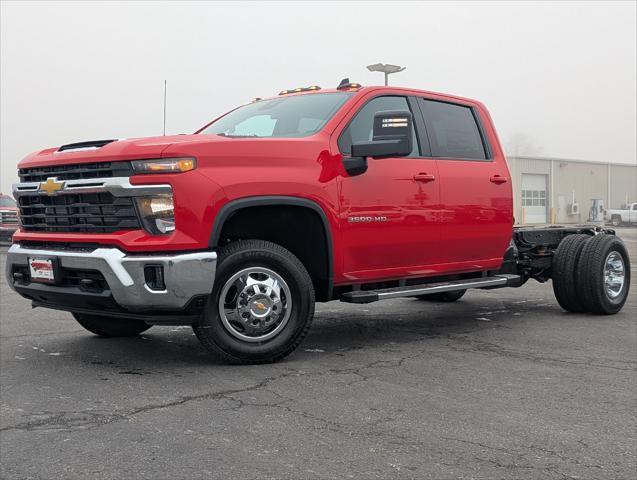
559 79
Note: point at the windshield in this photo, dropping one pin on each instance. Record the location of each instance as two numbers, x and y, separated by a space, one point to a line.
284 117
6 202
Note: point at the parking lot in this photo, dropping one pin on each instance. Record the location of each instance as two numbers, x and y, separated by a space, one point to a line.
502 384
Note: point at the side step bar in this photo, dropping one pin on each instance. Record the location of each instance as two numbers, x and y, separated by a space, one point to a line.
369 296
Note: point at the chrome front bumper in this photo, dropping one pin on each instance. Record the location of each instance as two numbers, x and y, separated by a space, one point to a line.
185 275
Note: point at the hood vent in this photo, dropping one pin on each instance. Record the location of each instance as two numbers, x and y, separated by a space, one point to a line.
85 145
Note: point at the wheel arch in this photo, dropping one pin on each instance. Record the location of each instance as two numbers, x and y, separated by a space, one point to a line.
323 274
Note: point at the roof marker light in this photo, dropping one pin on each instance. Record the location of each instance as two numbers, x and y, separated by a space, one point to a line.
300 89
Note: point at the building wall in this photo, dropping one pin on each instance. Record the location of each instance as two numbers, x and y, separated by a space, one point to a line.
588 181
623 180
614 184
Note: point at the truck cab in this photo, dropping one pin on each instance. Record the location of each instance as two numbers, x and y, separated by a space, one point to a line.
353 194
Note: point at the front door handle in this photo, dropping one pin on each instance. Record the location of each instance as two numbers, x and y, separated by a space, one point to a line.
498 179
424 177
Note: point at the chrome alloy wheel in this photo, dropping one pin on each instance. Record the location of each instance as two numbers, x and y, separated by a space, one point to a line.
614 274
255 304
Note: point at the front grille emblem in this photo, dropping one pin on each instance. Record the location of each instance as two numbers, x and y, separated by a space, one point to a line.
51 186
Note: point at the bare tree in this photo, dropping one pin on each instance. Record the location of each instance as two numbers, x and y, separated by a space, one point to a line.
519 144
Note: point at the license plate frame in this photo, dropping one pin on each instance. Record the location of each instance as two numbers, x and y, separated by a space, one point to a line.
43 269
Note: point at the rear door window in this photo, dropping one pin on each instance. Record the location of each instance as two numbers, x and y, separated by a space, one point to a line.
453 131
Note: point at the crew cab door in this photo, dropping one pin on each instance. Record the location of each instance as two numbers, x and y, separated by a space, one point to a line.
389 214
475 185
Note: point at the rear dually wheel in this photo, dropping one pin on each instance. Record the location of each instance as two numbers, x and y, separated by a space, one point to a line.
603 275
565 261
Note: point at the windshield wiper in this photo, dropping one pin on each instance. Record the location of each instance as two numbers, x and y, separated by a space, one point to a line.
237 136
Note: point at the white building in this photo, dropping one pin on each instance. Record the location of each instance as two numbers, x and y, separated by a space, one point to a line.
557 190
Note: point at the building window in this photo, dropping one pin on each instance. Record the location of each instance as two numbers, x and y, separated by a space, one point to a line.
534 198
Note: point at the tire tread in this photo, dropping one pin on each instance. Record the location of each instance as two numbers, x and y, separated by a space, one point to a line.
565 261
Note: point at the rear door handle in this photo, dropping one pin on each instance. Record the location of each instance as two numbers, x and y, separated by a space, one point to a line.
498 179
424 177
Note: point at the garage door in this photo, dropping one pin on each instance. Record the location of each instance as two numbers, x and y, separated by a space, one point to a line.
534 198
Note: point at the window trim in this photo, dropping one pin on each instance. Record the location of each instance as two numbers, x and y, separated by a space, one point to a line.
413 116
488 152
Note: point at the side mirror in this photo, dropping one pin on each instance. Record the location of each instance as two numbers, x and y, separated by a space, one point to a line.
391 136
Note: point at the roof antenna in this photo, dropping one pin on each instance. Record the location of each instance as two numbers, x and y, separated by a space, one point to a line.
344 82
165 88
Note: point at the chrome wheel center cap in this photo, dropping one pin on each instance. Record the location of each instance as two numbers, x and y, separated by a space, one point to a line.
255 304
614 275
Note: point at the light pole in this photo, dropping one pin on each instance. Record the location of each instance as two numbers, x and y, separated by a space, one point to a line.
386 68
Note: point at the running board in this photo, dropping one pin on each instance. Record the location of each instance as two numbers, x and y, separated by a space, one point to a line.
369 296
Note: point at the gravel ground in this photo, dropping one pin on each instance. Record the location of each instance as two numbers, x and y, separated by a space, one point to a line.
502 384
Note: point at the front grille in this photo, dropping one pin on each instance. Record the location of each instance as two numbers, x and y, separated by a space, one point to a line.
79 212
77 171
10 218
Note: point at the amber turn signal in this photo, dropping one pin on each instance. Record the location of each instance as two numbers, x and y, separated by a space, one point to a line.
165 165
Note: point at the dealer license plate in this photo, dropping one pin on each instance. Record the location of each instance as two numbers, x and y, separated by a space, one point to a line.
42 270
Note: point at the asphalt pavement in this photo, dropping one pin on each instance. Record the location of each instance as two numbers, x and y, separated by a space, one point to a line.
502 384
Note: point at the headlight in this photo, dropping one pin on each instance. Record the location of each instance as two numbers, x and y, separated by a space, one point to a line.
157 213
165 165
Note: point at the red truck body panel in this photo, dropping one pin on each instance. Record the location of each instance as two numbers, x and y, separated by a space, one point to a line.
461 221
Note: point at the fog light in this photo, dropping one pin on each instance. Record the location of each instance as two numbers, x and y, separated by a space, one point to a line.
154 276
157 213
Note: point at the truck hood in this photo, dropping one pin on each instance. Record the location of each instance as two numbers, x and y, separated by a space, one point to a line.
171 146
121 149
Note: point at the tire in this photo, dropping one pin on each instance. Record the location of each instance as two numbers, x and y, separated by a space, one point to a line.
565 261
234 330
443 296
616 220
603 254
111 326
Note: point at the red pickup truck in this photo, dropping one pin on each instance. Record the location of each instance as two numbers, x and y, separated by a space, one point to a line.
355 194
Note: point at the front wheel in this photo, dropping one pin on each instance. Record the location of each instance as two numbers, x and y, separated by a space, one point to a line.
261 306
111 326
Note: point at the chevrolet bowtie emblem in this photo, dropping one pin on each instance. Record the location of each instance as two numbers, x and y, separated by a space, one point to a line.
51 186
259 305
